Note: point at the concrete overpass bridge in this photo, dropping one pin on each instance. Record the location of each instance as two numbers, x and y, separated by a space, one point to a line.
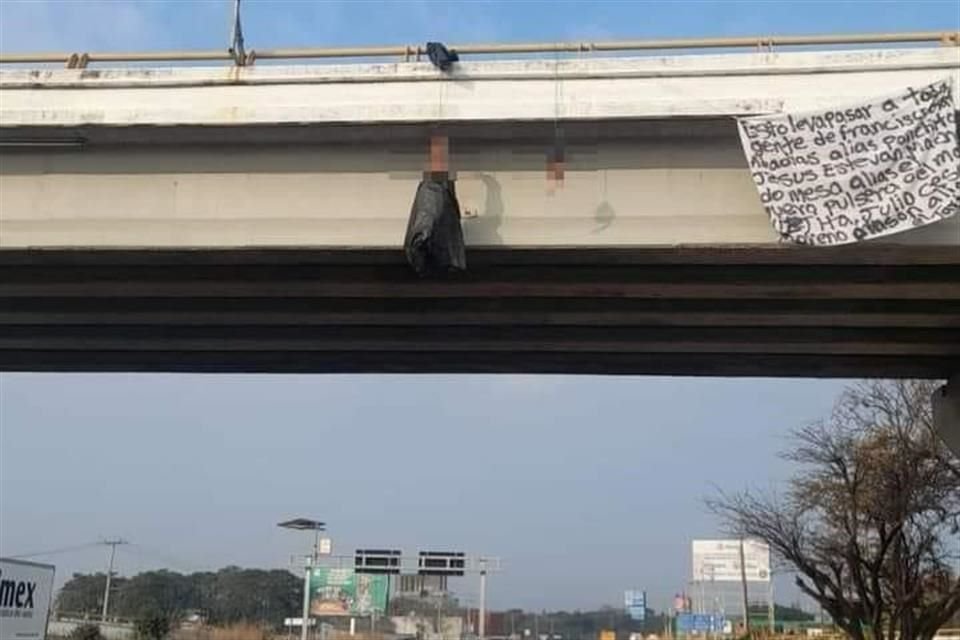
250 218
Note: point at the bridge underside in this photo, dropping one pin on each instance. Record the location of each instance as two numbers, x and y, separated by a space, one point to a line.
872 311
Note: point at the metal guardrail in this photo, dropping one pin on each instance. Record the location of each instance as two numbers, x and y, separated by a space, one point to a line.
414 52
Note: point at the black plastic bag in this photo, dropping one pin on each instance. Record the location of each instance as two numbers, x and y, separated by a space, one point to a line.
434 240
441 57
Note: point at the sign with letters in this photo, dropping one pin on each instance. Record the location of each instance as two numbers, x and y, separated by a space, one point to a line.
344 592
849 174
719 560
635 604
700 623
26 589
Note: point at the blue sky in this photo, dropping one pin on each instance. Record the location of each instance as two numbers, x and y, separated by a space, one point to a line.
584 486
145 24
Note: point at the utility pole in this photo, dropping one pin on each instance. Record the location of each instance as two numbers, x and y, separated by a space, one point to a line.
703 594
106 589
743 583
482 623
772 611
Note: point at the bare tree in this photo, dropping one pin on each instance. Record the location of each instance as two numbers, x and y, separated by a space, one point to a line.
870 519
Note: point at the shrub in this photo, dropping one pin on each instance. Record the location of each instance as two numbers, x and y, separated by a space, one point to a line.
153 627
86 631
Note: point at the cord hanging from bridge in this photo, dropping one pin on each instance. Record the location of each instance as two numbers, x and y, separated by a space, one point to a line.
556 156
236 38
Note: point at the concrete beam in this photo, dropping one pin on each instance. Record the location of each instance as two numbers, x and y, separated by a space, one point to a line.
946 413
616 193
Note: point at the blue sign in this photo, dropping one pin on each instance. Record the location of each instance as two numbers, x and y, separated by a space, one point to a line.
688 623
635 602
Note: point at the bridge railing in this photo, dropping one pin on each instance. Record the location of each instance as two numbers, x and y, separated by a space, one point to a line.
80 60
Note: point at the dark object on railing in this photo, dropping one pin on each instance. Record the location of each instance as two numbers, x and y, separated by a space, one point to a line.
434 240
441 57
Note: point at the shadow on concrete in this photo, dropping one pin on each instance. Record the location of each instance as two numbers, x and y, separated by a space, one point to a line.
483 228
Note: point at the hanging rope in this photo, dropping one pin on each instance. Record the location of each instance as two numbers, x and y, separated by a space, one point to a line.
439 143
556 155
236 38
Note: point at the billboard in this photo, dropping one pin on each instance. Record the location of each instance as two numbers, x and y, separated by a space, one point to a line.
635 603
377 561
442 563
25 592
344 592
700 623
719 560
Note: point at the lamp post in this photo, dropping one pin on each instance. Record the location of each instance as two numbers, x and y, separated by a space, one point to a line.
743 584
306 524
482 623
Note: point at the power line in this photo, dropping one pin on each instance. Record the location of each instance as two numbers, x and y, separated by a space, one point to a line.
52 552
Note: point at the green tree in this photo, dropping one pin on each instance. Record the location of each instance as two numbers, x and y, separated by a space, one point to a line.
227 596
83 593
163 593
252 595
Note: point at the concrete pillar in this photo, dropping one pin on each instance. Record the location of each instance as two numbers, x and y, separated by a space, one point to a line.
946 413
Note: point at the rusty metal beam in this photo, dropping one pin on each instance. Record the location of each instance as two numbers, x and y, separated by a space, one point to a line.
80 60
872 310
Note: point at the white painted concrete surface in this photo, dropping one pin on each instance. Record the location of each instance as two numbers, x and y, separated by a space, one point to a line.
342 196
637 193
645 190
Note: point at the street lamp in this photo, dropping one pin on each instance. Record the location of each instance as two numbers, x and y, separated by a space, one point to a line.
482 623
306 524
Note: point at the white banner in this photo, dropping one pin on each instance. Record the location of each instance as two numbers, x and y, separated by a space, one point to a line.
850 174
719 560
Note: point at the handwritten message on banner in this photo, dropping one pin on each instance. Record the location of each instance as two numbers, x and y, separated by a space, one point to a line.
845 175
